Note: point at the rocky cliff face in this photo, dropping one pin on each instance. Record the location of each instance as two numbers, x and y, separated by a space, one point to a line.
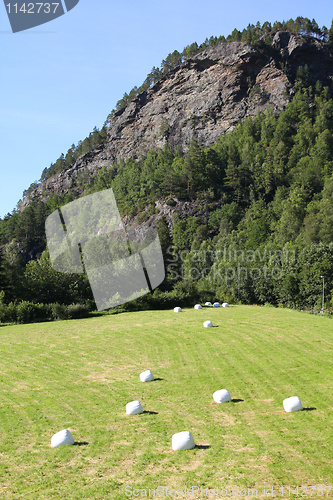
203 98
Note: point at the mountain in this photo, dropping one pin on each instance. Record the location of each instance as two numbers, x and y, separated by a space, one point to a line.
202 98
228 151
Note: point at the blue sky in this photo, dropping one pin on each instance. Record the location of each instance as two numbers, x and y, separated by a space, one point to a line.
63 78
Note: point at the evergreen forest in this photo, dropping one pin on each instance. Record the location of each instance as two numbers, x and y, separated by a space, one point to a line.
261 196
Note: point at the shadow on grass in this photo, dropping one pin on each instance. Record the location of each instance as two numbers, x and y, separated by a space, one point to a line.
310 408
234 400
81 443
150 412
202 446
157 379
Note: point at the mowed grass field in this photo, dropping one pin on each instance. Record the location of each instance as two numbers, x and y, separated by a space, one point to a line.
80 374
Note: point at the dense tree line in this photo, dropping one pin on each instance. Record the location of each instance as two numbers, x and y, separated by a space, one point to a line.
266 192
274 160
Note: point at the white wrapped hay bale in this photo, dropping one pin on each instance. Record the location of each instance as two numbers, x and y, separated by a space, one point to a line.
216 304
208 303
292 404
198 306
182 441
177 309
207 324
225 304
61 438
146 376
133 408
222 396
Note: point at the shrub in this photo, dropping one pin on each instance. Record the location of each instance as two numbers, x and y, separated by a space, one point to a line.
78 311
28 312
8 313
171 203
58 311
142 217
24 312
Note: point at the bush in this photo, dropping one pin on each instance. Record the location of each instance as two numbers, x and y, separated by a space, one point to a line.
142 217
42 312
171 203
28 312
58 311
78 311
8 313
184 293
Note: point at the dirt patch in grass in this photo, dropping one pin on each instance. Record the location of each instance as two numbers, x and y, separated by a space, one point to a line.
249 415
263 434
244 449
225 419
20 386
98 376
112 374
264 458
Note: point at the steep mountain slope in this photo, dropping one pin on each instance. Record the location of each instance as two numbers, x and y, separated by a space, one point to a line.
228 153
202 98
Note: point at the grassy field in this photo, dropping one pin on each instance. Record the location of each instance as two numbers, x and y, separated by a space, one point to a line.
80 374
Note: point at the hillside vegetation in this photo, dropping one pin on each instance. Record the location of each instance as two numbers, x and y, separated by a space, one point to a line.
260 229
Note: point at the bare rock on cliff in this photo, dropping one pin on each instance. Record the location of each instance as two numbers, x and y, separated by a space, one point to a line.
202 98
300 50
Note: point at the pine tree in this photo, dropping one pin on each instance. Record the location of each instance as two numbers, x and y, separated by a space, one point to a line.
330 35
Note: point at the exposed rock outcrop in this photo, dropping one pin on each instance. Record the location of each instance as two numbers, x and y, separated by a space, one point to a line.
202 98
301 50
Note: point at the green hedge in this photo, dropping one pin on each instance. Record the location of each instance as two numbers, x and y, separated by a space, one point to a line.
29 312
